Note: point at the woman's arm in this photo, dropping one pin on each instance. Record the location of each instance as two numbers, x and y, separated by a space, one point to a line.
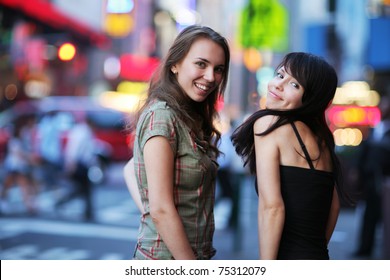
271 213
333 215
131 183
159 164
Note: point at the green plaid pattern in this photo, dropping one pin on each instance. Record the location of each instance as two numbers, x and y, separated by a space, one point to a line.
194 189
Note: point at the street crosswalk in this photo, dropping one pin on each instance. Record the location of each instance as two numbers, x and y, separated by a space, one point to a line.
57 240
61 234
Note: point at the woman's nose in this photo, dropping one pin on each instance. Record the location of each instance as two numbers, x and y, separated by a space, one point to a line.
278 84
209 75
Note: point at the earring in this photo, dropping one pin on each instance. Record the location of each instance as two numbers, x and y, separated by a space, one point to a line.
174 71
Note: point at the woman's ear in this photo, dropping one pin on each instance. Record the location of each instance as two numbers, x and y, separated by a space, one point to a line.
173 69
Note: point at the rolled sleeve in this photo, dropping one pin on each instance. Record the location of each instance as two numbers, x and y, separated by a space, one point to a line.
158 121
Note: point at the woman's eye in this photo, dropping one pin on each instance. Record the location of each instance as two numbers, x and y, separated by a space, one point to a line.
200 63
279 75
295 85
219 70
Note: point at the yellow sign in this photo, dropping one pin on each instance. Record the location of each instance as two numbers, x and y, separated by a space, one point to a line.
118 25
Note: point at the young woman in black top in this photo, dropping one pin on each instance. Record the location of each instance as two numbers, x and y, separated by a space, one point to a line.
291 150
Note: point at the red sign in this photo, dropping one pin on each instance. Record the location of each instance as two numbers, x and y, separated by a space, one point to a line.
138 68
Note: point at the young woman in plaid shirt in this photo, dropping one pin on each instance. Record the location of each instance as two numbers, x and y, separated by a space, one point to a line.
175 149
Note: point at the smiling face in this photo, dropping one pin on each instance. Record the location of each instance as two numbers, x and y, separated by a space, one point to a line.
284 92
201 71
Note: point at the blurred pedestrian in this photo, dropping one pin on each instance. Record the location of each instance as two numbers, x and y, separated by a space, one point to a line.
291 150
175 148
50 148
80 155
230 177
225 177
19 163
374 166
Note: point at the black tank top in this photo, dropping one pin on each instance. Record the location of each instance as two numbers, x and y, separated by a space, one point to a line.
307 195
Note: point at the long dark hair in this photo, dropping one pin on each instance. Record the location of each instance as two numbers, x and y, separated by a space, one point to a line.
199 116
319 79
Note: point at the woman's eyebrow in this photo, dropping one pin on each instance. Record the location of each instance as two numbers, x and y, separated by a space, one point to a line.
207 61
201 58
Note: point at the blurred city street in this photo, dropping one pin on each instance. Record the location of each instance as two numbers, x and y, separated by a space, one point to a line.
64 64
63 235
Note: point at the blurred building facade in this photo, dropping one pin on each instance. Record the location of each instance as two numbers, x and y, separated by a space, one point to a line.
34 34
117 44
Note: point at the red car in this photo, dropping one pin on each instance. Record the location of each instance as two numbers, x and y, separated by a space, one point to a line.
110 124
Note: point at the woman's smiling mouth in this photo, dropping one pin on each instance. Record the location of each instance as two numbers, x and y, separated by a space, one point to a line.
202 87
273 95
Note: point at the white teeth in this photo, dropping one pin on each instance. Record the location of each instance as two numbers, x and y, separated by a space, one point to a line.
202 87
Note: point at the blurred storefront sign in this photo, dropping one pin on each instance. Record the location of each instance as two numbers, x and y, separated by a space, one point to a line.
45 12
344 116
353 112
264 25
378 55
132 87
137 68
119 20
118 25
356 92
124 102
119 6
127 97
183 12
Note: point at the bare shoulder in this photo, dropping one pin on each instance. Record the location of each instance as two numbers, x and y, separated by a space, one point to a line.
263 123
282 132
305 133
286 136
